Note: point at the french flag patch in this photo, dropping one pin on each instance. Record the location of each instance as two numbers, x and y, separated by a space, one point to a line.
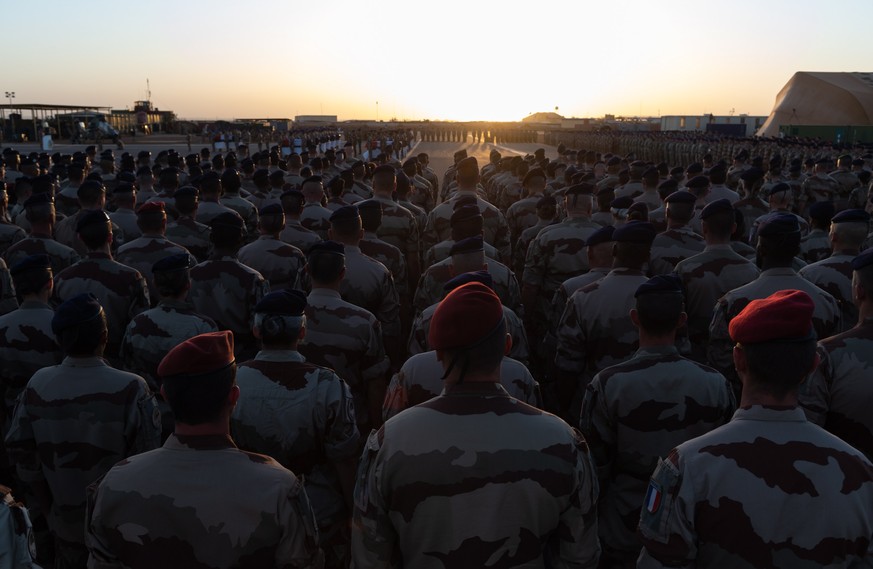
653 497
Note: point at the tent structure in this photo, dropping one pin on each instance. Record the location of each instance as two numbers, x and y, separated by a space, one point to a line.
821 98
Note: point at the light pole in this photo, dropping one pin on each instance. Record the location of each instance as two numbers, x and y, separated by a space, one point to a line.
377 111
11 95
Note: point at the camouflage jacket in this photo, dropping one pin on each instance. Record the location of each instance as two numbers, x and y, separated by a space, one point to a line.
430 286
522 215
8 300
633 414
368 284
244 208
672 246
142 253
10 234
234 509
392 258
316 218
496 230
60 256
192 235
834 276
440 252
815 246
303 416
520 246
74 421
741 496
297 235
475 478
399 228
281 264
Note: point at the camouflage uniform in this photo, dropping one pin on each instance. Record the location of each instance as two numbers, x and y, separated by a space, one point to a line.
825 318
348 340
65 234
121 290
8 301
426 495
559 303
400 229
283 265
520 246
514 327
194 514
126 219
244 208
672 246
368 284
753 233
754 493
60 256
430 287
297 235
392 258
821 187
815 246
522 215
274 388
10 234
209 210
442 250
226 291
834 276
74 421
420 379
192 235
837 396
315 218
634 413
142 253
494 223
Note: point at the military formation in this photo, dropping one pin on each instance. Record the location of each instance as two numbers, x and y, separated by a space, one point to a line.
627 350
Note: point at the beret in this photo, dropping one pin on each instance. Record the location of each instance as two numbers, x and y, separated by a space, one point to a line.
199 355
296 194
369 204
639 232
385 169
357 164
91 217
143 154
623 202
461 153
851 215
864 259
718 169
144 171
823 160
346 212
778 188
681 197
77 310
578 178
287 302
465 317
28 161
822 211
778 224
262 174
413 162
660 284
465 213
784 315
638 210
186 192
94 177
331 247
42 183
581 189
39 199
742 155
176 262
546 201
857 162
90 185
403 184
469 164
151 207
126 176
533 173
278 175
483 277
614 161
31 263
698 182
752 175
669 184
228 219
694 168
718 206
271 209
468 245
602 235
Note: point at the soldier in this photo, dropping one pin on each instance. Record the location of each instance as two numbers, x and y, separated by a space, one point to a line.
501 438
423 196
546 215
231 184
314 216
679 241
75 420
145 251
124 216
718 190
186 231
649 193
398 226
738 169
820 186
67 200
847 180
40 212
121 290
779 200
594 331
344 337
816 245
451 173
280 263
778 243
209 206
427 173
387 254
92 197
466 222
523 214
834 274
636 411
726 499
9 232
294 233
270 524
707 276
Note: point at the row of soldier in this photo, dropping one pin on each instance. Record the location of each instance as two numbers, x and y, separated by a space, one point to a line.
593 331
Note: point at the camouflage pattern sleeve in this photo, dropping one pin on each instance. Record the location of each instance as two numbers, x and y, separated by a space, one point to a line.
599 430
139 298
666 521
144 423
8 301
570 353
373 536
341 439
577 542
298 547
719 351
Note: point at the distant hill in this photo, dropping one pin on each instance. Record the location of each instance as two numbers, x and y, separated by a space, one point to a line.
543 118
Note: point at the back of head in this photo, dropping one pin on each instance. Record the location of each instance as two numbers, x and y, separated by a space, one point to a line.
79 326
326 263
660 303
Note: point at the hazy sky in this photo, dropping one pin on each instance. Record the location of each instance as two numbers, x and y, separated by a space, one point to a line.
456 60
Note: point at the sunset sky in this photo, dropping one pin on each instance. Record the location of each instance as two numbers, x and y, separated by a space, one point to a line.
455 60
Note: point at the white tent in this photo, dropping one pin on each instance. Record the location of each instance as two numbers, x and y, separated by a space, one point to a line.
814 98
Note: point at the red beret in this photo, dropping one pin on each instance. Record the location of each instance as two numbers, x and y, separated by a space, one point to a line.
784 315
466 316
151 207
199 355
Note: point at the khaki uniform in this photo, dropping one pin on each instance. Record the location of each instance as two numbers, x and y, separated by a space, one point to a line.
496 230
821 187
316 218
834 276
244 208
430 287
815 246
142 253
283 265
392 258
672 246
368 284
297 235
10 234
441 251
522 215
399 228
192 235
60 256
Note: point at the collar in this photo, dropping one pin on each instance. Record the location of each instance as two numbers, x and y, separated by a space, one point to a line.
98 255
89 361
174 304
779 272
324 293
718 247
279 356
625 272
657 351
353 249
34 305
199 442
792 414
474 389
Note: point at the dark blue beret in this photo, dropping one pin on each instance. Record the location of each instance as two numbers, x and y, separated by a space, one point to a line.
91 217
123 188
546 201
75 311
465 213
602 235
581 189
345 213
126 177
779 224
670 283
271 209
39 199
327 247
468 245
778 188
718 206
261 174
31 263
287 302
681 197
369 204
176 262
385 169
483 277
277 174
822 211
403 183
91 184
623 202
640 232
186 192
228 219
666 185
296 194
697 182
864 259
42 184
614 161
851 215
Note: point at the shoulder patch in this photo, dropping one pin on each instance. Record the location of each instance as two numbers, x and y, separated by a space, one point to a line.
658 504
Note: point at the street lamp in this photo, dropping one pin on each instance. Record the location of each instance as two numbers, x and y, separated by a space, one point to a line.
11 95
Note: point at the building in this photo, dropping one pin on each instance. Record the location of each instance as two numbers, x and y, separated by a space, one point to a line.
144 118
736 125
